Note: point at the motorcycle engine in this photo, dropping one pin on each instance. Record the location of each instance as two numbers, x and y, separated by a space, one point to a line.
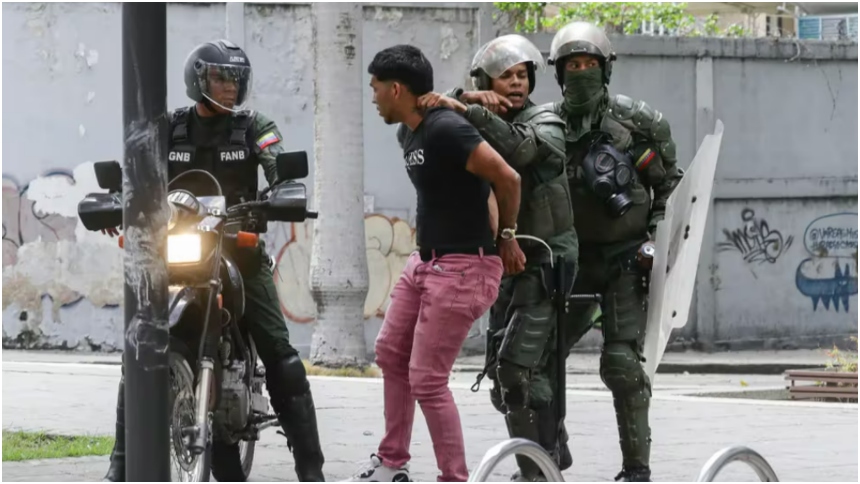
232 414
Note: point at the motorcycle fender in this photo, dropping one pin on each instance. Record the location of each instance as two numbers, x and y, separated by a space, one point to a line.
181 298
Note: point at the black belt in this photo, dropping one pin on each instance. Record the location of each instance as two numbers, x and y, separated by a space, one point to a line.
427 254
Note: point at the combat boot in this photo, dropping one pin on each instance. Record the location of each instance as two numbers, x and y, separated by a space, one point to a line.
297 416
634 474
523 423
116 471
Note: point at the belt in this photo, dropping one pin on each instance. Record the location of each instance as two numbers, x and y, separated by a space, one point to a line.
428 254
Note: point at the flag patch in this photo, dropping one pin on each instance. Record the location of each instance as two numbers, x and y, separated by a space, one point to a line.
645 159
267 139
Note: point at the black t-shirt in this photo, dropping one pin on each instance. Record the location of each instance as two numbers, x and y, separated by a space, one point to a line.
452 202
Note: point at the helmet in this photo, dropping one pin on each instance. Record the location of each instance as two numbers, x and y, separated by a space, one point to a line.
581 38
221 58
500 54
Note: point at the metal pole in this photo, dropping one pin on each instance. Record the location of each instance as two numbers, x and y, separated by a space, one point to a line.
145 216
519 447
560 343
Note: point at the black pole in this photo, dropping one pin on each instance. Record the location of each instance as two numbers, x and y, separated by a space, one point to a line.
561 302
145 216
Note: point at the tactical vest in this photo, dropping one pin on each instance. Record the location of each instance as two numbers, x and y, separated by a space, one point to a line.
227 155
592 220
545 209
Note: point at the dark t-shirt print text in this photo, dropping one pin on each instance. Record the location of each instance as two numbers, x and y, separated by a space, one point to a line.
452 202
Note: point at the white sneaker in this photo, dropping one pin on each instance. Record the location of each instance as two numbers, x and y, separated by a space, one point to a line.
378 472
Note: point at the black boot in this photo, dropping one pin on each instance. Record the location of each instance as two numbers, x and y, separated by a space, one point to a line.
116 471
299 420
634 474
549 437
523 423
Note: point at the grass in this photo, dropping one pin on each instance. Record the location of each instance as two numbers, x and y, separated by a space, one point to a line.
368 372
19 446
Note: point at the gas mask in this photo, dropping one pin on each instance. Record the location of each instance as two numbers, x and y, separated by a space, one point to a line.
609 174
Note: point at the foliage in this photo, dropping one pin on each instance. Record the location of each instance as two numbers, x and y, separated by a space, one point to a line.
19 446
626 18
843 360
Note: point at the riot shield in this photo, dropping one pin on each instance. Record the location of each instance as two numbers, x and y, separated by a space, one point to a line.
679 241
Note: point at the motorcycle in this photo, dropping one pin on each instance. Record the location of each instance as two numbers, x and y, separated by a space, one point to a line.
216 396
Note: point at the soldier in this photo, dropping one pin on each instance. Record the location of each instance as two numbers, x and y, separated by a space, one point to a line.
521 357
619 151
217 136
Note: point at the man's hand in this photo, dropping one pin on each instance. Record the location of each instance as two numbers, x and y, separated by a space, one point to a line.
495 103
512 256
434 99
113 232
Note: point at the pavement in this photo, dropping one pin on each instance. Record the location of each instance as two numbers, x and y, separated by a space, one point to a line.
74 394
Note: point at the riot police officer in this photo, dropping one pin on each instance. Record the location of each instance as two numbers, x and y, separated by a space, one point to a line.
619 153
218 136
520 355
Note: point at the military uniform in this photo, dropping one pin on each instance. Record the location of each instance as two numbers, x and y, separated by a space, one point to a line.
230 147
521 336
520 354
609 243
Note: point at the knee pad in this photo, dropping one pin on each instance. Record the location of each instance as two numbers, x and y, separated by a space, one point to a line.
287 378
514 382
621 369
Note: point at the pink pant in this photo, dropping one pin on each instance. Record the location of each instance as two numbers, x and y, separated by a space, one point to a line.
433 306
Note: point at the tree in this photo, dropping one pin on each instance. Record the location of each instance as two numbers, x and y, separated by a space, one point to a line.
339 277
624 18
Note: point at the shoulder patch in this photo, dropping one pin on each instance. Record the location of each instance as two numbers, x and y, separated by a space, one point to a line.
268 139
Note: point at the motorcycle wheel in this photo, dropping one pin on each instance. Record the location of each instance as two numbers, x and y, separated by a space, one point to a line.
184 466
232 462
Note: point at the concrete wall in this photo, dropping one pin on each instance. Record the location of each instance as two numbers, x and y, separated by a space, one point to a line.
786 183
788 155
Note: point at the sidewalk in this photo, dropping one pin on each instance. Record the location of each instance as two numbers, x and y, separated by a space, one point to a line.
728 362
802 441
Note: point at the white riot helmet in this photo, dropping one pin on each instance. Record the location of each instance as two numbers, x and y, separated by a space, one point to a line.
500 54
581 38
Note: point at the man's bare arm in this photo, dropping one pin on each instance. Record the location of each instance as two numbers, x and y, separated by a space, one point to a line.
486 163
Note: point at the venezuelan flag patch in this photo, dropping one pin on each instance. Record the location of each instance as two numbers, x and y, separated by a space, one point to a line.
267 139
645 159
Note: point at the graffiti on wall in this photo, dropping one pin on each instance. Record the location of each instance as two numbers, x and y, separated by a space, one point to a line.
23 224
829 276
389 243
755 240
48 255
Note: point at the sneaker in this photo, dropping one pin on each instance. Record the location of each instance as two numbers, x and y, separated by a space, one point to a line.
378 472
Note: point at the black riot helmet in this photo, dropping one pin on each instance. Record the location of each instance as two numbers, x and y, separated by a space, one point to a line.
214 62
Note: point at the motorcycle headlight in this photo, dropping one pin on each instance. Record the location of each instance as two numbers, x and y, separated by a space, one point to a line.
183 248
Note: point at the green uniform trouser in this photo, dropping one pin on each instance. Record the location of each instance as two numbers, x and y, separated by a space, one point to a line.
263 312
521 358
625 312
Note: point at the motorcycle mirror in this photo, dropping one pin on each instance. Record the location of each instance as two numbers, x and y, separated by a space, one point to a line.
292 165
109 175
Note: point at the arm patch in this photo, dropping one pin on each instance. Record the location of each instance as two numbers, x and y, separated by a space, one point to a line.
268 139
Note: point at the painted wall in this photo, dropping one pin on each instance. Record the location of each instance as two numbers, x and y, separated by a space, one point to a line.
789 159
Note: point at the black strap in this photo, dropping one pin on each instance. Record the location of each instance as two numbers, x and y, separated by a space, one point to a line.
241 123
180 125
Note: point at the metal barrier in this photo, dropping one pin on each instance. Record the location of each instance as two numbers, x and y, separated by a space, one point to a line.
737 453
518 447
